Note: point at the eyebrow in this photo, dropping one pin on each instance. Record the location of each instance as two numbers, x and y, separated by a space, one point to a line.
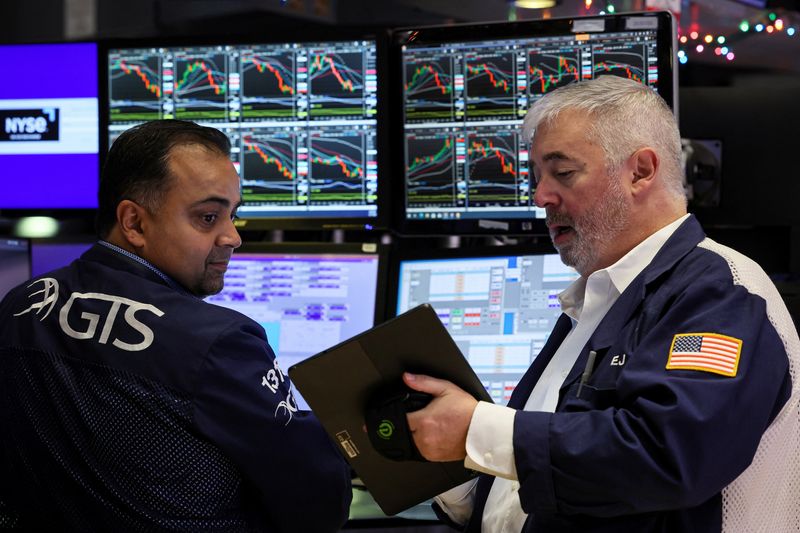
218 200
556 156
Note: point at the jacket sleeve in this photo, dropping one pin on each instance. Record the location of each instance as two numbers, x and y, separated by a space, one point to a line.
244 404
653 438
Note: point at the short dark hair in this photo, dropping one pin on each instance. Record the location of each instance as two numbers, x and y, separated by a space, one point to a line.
137 165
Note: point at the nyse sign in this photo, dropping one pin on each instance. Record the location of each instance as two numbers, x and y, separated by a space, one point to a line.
86 324
29 124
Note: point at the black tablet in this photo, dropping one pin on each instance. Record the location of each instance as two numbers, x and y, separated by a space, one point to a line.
338 382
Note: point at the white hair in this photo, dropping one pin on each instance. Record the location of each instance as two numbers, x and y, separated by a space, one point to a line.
625 116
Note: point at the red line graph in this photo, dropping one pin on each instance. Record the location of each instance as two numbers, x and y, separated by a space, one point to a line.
357 172
492 79
346 84
285 172
616 66
485 147
547 80
420 160
282 85
442 86
150 86
218 89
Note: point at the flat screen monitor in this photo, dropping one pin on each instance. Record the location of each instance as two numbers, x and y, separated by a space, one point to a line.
15 263
50 255
50 133
499 305
302 118
465 90
308 297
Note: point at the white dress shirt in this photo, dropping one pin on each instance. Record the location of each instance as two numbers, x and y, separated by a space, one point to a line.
490 447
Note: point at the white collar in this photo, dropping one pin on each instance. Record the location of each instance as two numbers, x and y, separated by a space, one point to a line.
621 273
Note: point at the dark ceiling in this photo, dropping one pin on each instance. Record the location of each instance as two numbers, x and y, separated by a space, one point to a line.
775 54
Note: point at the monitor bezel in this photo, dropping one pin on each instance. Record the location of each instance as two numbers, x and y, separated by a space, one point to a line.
458 33
62 213
329 248
313 35
469 252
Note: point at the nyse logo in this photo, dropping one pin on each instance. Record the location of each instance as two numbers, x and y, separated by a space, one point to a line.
87 324
29 124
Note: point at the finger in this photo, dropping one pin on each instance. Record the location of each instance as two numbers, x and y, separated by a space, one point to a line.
423 383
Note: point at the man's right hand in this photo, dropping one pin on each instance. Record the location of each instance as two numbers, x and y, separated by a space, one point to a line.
440 429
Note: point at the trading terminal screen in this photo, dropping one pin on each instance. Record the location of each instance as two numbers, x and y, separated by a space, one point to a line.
301 117
464 102
499 310
305 302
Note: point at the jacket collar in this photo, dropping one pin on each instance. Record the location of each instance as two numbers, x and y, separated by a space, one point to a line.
685 239
114 257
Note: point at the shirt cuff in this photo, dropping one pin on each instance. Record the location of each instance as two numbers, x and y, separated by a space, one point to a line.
490 441
457 503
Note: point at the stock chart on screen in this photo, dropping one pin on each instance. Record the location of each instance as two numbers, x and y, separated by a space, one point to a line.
464 99
301 117
306 301
498 309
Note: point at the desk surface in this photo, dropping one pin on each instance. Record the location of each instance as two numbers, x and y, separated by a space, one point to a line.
364 507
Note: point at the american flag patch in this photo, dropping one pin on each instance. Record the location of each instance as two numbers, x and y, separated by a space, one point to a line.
709 352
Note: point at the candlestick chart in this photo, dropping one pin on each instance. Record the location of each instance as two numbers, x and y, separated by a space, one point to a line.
269 169
431 171
625 60
493 169
338 168
135 88
336 84
490 88
269 89
429 89
200 86
549 70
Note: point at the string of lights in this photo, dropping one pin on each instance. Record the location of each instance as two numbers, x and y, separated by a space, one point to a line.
695 41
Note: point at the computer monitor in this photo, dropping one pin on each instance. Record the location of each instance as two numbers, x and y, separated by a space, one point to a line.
15 263
499 304
465 90
308 297
47 255
302 118
49 133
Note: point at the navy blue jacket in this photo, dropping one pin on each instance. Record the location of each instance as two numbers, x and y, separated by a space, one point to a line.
127 403
645 448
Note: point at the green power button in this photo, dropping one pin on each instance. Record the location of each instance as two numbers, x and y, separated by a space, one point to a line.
385 429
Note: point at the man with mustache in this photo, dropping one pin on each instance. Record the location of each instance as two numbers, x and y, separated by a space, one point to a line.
666 398
126 401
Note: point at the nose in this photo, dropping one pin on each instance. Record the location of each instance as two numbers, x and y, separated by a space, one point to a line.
230 236
544 195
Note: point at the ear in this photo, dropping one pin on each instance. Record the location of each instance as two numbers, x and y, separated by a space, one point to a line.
644 165
129 219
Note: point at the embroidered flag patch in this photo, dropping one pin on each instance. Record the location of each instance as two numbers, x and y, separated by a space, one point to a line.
709 352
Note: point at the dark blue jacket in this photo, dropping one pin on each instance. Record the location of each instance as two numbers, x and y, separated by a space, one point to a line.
645 448
129 404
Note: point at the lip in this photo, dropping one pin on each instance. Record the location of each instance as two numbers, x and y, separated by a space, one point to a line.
219 265
557 236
